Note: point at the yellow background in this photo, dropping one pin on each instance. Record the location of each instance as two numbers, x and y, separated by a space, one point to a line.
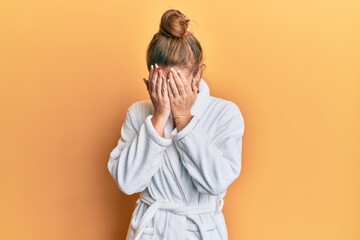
70 69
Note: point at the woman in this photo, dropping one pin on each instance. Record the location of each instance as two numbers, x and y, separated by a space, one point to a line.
182 148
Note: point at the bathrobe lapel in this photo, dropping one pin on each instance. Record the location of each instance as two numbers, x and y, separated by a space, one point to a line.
198 108
202 99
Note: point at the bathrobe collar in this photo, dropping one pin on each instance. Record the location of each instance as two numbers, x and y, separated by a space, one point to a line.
201 100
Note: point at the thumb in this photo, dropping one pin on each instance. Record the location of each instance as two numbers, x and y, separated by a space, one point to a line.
146 83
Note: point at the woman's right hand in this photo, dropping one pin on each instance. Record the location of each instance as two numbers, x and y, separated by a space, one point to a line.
158 91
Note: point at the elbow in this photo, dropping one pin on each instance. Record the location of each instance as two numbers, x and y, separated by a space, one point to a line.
131 186
214 189
219 186
128 186
126 189
122 180
127 181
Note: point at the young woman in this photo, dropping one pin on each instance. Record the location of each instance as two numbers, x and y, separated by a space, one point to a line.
182 148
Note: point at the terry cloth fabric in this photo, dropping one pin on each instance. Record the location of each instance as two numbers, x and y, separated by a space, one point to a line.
182 177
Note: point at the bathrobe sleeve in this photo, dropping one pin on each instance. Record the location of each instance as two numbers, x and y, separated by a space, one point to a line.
135 159
213 163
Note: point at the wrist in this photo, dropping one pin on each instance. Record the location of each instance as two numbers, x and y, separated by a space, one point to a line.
182 121
160 117
159 123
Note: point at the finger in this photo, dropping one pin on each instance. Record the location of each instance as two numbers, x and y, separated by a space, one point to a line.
158 84
169 91
164 87
179 83
184 81
150 77
146 83
154 78
151 71
173 86
182 77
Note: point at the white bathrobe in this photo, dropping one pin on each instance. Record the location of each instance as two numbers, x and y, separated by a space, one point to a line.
182 177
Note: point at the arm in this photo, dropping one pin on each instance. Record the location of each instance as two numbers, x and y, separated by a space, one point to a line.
212 163
139 152
137 156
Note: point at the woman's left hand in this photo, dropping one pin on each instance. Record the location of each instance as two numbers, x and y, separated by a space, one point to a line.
182 97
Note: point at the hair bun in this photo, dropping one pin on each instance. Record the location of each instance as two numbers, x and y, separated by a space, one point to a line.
173 24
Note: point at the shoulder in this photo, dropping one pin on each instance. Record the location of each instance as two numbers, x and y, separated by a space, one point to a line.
141 107
226 114
139 110
225 108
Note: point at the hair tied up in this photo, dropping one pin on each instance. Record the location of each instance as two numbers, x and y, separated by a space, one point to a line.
173 24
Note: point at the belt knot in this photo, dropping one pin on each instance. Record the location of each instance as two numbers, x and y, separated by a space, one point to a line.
175 208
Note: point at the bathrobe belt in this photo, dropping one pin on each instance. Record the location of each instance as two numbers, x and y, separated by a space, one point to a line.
177 209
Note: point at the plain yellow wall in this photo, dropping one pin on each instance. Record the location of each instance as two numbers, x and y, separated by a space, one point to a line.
70 69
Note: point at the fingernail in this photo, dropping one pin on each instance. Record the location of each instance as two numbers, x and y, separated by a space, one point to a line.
178 71
171 69
152 67
156 65
168 80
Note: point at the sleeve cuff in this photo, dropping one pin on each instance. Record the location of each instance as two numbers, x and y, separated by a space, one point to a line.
186 130
154 134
